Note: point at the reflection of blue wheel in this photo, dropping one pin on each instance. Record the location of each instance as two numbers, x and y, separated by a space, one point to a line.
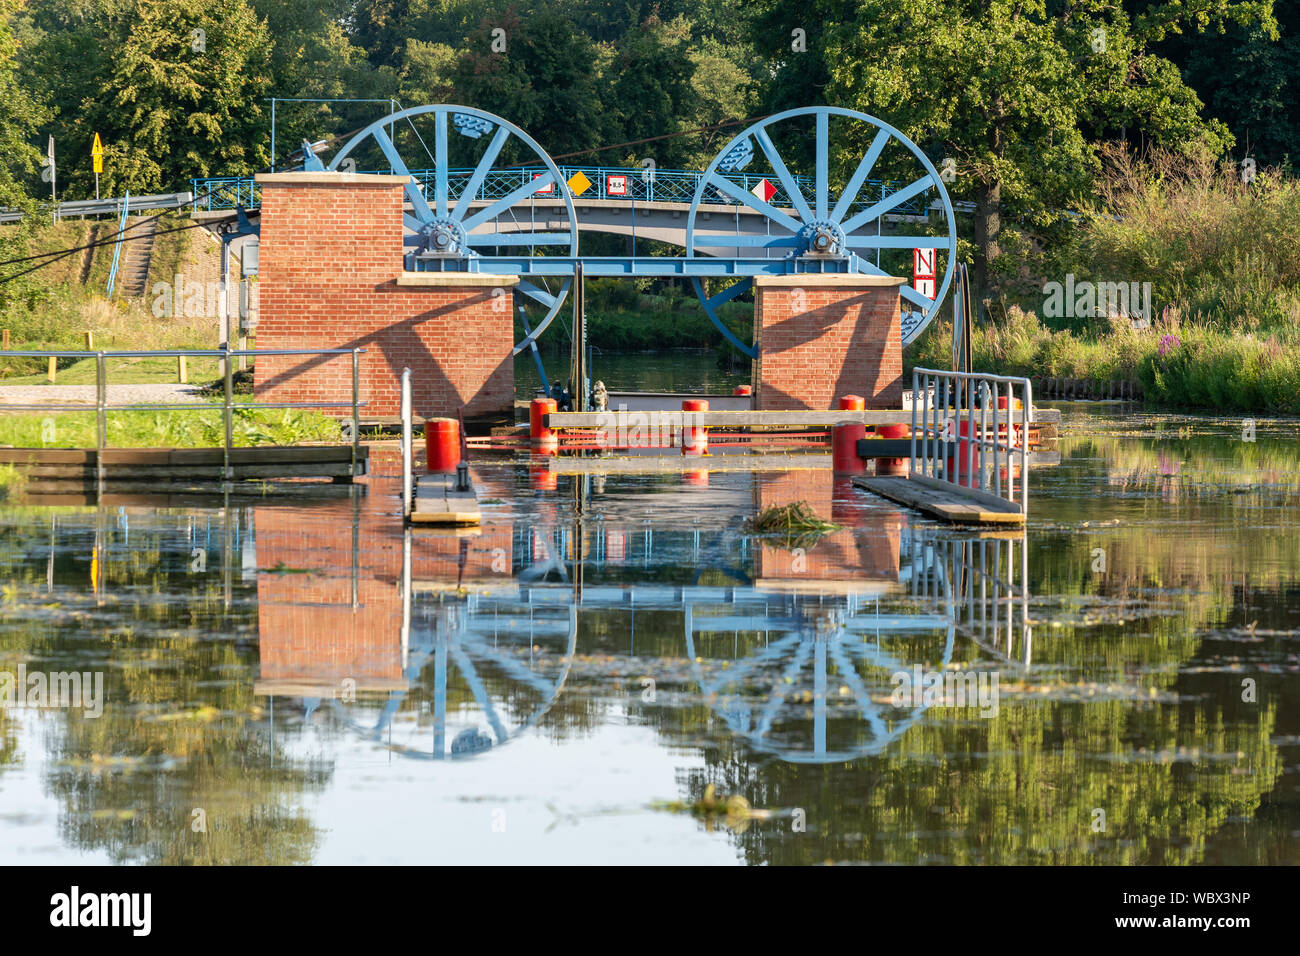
836 668
468 646
450 228
852 228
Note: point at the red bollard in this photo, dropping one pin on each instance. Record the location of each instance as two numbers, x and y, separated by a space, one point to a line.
844 439
538 433
441 444
892 466
743 390
695 438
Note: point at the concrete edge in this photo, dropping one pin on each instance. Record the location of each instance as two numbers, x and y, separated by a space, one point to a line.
473 280
813 280
329 179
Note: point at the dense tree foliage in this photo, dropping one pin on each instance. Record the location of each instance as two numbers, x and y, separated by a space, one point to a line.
1022 94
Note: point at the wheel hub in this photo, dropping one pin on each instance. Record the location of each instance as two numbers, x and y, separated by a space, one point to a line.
822 238
443 236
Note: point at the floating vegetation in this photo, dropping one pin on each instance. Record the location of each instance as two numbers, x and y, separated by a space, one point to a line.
795 525
734 811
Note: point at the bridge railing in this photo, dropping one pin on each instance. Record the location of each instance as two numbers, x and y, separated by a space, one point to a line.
608 183
971 430
228 404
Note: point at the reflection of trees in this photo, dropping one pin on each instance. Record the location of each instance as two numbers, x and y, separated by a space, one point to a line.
181 729
1020 788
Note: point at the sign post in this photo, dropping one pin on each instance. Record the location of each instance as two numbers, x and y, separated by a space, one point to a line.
97 157
54 193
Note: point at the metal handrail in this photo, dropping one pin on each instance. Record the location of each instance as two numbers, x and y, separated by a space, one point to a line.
228 404
955 410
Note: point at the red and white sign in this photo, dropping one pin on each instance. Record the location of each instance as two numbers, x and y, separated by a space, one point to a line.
923 272
548 188
764 190
616 185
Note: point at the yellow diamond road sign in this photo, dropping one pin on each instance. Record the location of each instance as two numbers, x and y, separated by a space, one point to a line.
579 183
97 154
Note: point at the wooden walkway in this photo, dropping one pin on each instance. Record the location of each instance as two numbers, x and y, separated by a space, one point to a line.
437 501
183 470
941 500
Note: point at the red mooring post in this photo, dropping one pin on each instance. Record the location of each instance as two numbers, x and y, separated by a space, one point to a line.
442 444
695 438
541 437
743 390
844 439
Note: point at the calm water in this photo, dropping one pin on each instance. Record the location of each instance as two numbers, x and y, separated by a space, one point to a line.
310 684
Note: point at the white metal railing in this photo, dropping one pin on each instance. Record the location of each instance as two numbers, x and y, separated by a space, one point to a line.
971 430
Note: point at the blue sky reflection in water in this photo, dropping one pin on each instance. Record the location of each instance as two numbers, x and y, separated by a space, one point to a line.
567 684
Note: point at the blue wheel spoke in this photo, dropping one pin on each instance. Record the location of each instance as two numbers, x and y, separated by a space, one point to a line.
722 240
505 202
735 290
754 203
530 290
413 193
411 222
518 239
823 163
860 176
480 173
889 202
778 166
729 293
440 161
898 242
911 295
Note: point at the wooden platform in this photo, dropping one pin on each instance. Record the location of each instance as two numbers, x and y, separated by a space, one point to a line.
438 502
757 418
940 500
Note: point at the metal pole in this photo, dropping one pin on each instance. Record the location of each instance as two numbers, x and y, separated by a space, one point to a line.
406 443
356 414
101 422
911 464
1026 411
228 413
273 134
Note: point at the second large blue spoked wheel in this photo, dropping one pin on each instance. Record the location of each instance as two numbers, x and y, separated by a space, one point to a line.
820 203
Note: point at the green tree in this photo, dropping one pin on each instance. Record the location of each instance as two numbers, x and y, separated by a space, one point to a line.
1019 93
20 119
174 88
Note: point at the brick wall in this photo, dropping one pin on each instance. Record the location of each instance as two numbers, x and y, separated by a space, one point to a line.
822 337
331 256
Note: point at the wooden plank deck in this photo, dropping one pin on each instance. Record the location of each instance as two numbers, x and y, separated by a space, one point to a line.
958 505
436 501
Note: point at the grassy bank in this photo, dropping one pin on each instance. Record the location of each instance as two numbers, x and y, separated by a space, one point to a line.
12 483
53 307
201 428
1222 257
1180 364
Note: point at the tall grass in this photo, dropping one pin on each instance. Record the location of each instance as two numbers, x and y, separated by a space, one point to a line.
201 428
1223 260
1179 363
1224 252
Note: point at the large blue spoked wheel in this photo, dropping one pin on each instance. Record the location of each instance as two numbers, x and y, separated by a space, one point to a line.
823 213
481 202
